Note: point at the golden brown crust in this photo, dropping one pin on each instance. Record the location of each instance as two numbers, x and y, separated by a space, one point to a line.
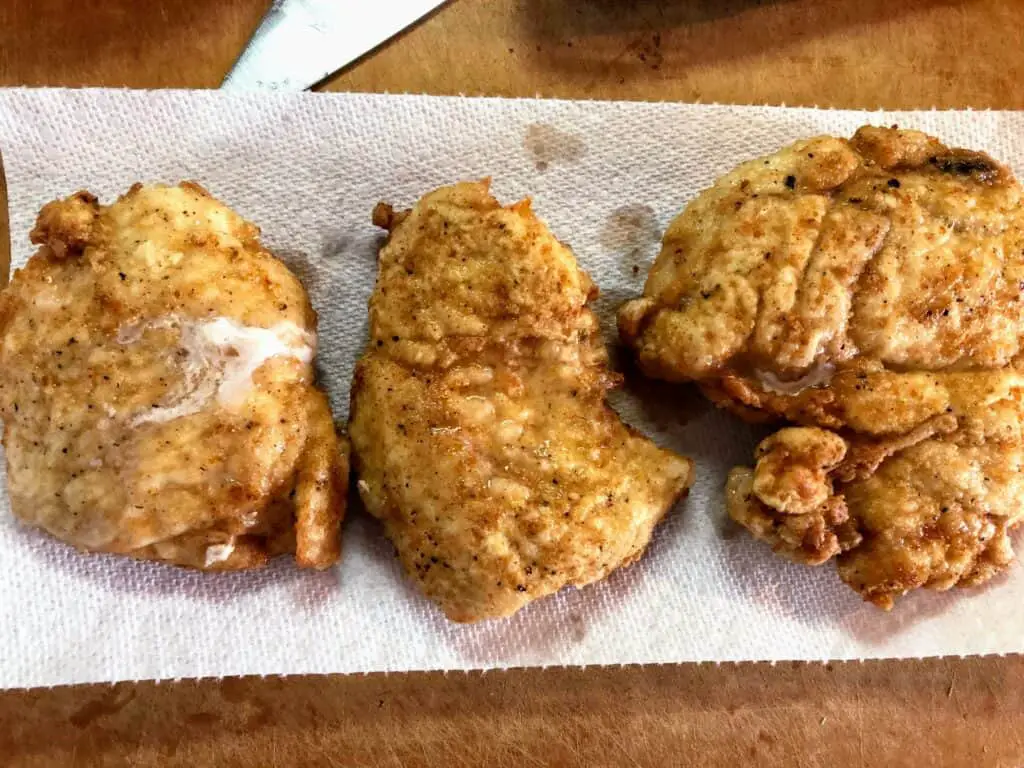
888 247
64 227
873 287
929 508
789 499
157 391
479 426
321 488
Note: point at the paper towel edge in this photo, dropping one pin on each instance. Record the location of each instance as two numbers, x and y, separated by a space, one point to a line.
481 671
246 95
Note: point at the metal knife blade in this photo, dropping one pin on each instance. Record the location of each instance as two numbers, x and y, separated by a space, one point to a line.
300 42
5 230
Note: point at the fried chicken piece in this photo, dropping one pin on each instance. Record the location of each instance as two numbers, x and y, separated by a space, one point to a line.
934 513
873 287
479 426
156 387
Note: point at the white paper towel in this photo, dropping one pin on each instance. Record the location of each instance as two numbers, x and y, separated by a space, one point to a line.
607 177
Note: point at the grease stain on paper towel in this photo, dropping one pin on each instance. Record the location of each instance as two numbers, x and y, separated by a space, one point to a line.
547 144
631 231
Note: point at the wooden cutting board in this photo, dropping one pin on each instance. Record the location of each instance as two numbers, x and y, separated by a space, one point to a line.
843 53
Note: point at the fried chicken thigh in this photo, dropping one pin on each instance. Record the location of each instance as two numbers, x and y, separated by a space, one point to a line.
479 426
156 387
870 291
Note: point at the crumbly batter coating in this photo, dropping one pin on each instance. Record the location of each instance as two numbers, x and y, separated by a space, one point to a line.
156 387
873 287
480 431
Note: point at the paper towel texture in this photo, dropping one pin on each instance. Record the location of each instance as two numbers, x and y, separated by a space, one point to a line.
308 168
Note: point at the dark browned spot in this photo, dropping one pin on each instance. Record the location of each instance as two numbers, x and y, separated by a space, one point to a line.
966 163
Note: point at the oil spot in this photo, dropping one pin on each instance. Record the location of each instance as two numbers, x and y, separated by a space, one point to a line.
632 232
110 702
629 228
579 627
547 145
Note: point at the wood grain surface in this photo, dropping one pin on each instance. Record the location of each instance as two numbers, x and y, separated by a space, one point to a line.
929 713
856 53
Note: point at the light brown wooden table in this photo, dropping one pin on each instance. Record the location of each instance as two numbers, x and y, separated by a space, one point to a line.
857 53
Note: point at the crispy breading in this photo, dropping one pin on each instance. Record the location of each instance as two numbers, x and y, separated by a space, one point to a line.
875 287
156 387
479 426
